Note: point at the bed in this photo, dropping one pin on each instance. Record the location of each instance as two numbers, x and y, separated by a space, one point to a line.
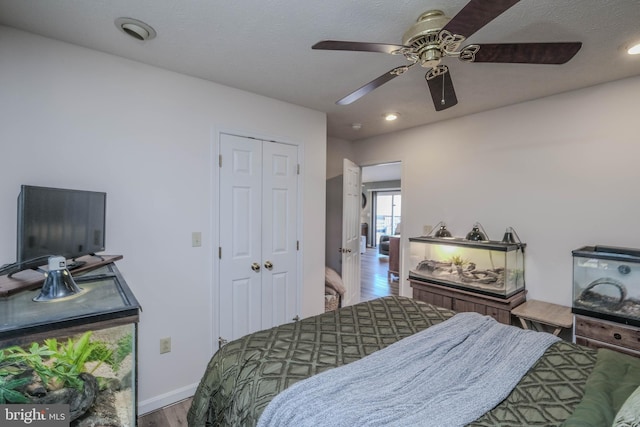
245 375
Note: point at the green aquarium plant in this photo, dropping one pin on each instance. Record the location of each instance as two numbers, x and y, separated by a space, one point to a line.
34 358
458 260
10 370
69 359
124 347
58 364
8 392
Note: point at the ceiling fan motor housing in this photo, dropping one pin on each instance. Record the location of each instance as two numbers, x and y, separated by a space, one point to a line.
424 37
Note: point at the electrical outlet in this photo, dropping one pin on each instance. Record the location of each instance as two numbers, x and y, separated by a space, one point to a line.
165 345
426 229
196 239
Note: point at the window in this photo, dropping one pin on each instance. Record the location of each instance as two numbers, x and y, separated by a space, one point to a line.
388 213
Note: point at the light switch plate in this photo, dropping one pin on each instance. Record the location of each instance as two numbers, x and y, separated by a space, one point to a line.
165 345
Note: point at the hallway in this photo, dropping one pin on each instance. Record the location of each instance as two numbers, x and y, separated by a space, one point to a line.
374 281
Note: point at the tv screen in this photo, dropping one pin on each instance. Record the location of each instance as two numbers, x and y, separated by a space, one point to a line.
55 221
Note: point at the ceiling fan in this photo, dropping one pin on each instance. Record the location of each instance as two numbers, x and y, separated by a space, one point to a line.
434 37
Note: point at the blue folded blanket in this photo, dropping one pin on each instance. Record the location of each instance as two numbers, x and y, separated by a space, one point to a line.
447 375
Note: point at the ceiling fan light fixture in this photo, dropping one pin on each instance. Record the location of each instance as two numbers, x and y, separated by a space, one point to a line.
424 37
634 49
391 116
434 37
137 29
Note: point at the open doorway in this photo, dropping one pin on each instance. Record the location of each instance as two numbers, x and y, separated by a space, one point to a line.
387 209
381 218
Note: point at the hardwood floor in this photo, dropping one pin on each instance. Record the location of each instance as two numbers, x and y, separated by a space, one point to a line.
374 284
170 416
374 276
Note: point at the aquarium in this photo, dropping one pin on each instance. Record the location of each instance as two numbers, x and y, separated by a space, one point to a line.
606 283
487 267
78 351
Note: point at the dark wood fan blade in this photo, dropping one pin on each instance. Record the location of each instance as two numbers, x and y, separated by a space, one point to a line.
359 93
476 14
357 46
442 99
528 53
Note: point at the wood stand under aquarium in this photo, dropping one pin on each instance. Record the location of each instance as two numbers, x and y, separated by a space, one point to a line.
460 300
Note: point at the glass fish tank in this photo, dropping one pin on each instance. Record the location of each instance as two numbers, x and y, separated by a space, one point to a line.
79 350
487 267
606 283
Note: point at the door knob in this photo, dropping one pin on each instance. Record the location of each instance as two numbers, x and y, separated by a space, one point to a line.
255 267
268 265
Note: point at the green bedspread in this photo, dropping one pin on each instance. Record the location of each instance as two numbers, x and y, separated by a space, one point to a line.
245 374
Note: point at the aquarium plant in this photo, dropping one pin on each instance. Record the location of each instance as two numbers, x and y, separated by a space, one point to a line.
57 364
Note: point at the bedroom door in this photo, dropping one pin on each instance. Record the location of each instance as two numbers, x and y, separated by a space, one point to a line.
258 235
351 197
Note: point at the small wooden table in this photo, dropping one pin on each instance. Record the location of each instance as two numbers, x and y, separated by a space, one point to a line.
545 313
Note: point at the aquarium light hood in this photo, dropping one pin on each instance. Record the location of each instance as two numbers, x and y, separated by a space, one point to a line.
477 233
442 231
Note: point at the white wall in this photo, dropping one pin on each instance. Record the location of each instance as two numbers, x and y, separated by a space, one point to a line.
76 118
337 151
563 171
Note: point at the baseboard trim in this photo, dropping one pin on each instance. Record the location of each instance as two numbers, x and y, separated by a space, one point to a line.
166 399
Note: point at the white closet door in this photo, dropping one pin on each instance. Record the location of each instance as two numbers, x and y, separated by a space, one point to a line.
258 235
279 233
240 236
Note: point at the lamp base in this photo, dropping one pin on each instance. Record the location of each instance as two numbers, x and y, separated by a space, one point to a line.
58 282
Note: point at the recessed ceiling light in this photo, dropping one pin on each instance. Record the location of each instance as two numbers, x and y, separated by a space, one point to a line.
391 117
356 126
634 50
135 28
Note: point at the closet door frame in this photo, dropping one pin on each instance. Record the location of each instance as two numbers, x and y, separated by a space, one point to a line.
262 310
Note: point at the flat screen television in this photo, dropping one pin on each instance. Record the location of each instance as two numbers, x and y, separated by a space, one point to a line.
61 222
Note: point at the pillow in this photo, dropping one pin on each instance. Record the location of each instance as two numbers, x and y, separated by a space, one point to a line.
333 280
629 413
614 378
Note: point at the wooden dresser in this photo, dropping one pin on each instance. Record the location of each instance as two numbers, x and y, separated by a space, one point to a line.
598 333
460 300
394 256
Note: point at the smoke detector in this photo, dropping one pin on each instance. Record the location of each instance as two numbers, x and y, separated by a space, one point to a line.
137 29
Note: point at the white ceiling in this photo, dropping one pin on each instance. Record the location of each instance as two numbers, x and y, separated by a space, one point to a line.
265 47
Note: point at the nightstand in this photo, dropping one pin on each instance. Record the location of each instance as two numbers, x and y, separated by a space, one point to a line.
556 316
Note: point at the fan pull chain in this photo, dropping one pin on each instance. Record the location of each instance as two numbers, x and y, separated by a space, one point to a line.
442 102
